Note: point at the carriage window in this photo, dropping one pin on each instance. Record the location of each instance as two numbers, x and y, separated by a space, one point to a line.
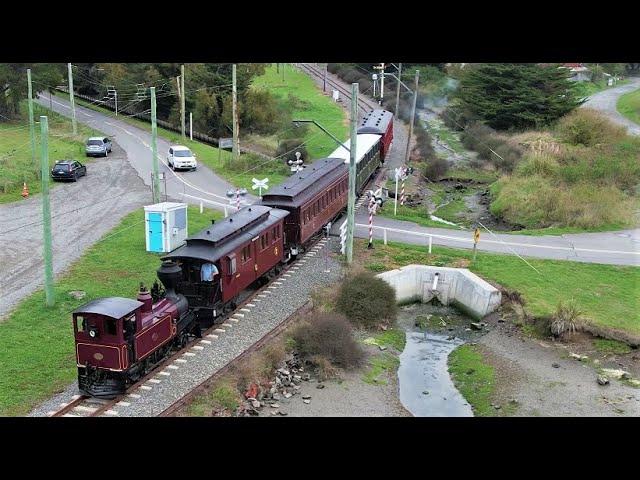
246 253
232 264
110 326
81 324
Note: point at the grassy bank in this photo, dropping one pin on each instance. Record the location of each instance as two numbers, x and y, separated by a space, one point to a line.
629 106
16 162
37 358
607 294
307 102
474 378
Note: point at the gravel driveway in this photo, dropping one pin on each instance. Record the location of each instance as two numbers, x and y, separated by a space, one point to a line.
606 100
82 212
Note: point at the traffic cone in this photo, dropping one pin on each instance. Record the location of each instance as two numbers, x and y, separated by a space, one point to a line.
25 190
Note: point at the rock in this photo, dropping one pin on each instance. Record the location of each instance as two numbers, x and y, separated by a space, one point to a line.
252 391
602 380
476 326
555 365
616 373
284 371
578 357
297 377
256 404
382 347
497 407
467 329
284 414
275 405
288 395
426 392
320 386
276 396
306 377
296 387
307 401
513 401
78 294
451 337
272 390
306 397
275 412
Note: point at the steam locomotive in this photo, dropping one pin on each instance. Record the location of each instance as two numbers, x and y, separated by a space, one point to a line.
119 340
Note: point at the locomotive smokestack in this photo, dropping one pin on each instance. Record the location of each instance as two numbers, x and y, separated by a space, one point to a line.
145 297
169 274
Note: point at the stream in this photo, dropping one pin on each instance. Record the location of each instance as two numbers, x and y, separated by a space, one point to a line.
432 333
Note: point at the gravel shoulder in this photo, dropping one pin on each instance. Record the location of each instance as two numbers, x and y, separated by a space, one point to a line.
82 212
525 371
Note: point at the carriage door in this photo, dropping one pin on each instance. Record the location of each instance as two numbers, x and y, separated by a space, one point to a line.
255 255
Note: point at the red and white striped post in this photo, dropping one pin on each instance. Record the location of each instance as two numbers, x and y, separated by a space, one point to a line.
238 198
372 207
404 175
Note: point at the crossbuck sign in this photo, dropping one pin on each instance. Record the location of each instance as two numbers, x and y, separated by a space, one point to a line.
260 184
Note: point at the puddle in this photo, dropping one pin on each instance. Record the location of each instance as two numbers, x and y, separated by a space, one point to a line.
423 368
432 333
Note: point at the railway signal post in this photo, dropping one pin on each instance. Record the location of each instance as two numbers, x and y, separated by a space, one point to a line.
351 203
46 213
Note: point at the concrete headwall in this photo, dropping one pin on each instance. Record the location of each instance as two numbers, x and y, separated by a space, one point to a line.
455 286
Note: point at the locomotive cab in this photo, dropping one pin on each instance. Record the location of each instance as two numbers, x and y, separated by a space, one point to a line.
103 330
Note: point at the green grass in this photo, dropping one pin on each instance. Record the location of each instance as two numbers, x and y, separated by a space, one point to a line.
452 210
474 378
37 354
586 89
629 106
223 396
312 105
611 346
475 174
538 232
607 294
417 215
16 163
379 366
393 337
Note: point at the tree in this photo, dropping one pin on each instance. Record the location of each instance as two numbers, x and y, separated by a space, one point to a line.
516 96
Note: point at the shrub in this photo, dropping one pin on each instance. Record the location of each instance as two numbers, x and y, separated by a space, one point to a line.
588 127
287 148
260 113
273 354
367 300
328 336
436 168
566 319
538 164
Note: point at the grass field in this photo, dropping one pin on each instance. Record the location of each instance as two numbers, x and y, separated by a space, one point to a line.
37 354
312 104
607 294
16 162
629 106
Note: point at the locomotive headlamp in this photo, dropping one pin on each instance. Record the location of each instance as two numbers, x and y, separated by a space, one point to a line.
93 333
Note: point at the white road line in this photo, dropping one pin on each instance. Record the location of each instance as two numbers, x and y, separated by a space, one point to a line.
225 324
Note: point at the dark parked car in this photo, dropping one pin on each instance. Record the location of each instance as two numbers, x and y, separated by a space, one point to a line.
68 170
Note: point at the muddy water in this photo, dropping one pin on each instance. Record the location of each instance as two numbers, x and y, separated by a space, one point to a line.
432 333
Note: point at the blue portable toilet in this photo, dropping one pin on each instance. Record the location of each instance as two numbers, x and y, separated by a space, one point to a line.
166 226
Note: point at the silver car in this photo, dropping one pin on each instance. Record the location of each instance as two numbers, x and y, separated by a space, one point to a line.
98 146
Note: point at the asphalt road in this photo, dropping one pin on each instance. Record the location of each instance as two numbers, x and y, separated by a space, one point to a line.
191 187
619 248
606 100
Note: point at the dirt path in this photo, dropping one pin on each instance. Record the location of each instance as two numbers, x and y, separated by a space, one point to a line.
525 371
82 212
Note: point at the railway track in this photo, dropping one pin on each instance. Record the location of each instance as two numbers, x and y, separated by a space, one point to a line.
364 104
85 406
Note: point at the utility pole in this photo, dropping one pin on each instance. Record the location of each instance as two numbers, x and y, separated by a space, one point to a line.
413 115
190 125
381 82
32 127
72 101
236 124
351 203
46 213
154 147
182 95
115 97
398 89
324 78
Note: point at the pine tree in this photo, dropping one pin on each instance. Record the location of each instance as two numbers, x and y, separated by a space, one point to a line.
517 96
